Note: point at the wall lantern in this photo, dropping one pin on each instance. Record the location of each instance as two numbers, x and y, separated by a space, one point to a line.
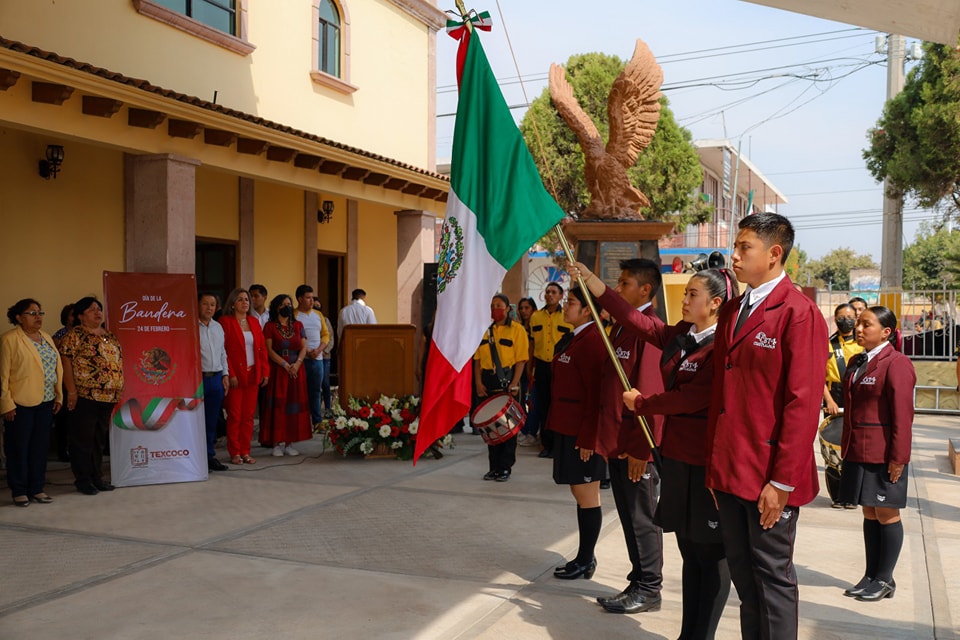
326 212
51 166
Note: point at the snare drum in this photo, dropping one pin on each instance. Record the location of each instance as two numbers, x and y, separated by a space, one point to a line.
498 418
830 434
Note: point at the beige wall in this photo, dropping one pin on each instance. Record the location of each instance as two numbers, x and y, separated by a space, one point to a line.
218 202
58 235
272 82
332 236
377 255
278 238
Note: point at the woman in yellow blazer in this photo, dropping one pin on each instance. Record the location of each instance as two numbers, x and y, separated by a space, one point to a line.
31 376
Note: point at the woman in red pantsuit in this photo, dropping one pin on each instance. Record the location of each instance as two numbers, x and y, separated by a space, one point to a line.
249 370
285 414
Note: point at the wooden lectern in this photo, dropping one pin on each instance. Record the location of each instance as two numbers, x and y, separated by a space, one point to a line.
377 359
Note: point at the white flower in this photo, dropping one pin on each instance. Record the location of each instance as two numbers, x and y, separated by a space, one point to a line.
387 402
414 401
341 423
414 426
396 444
357 422
366 446
446 440
385 431
396 416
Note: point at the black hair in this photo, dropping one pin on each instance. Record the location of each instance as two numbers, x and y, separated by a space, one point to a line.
581 295
506 301
80 307
358 293
645 271
773 229
554 284
533 303
18 308
302 289
65 314
209 294
720 283
840 307
275 306
258 287
857 299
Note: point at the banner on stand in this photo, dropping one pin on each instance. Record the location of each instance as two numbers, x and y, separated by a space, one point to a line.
157 432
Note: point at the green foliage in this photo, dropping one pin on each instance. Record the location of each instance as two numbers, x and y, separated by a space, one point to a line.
916 143
932 261
796 265
668 171
833 269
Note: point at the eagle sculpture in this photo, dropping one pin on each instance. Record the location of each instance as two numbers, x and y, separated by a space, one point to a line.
633 110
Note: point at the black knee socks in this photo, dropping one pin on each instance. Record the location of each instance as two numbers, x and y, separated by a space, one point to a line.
588 522
891 541
871 546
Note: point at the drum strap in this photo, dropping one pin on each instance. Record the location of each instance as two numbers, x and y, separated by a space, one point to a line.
501 374
837 343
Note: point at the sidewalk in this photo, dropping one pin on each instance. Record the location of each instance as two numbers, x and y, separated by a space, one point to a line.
325 547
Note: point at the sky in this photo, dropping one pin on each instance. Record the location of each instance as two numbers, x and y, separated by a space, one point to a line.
798 94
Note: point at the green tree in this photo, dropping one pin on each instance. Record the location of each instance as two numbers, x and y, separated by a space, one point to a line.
668 171
797 266
930 261
833 269
916 143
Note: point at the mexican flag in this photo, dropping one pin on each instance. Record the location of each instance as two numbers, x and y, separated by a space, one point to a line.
497 209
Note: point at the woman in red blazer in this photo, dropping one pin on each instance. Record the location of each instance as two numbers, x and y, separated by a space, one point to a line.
877 432
685 505
249 370
574 404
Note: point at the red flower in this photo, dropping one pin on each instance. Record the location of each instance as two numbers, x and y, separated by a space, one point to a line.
405 428
377 407
394 432
406 415
364 412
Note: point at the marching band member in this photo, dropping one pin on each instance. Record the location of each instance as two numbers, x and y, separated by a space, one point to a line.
686 506
574 403
877 431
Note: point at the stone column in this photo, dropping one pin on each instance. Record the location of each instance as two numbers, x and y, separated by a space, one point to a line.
415 245
247 275
160 210
515 282
311 203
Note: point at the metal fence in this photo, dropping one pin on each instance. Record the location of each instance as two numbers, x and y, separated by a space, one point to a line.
928 319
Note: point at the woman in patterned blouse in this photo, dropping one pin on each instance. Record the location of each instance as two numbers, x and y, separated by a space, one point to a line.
30 393
93 376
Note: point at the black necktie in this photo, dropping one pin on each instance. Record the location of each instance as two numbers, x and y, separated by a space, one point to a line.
744 314
563 343
858 364
687 342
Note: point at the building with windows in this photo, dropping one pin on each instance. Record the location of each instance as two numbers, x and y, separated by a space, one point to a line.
270 142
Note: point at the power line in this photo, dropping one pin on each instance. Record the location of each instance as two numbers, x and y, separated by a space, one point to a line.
830 193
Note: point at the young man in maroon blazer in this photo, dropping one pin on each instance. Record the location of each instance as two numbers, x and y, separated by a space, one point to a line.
635 484
763 420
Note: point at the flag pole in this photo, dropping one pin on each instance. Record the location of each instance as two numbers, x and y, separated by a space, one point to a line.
606 343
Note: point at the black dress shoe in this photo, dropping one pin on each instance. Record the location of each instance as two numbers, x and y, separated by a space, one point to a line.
602 600
572 570
634 602
87 489
503 476
858 588
104 486
545 454
604 484
491 475
215 465
878 590
21 501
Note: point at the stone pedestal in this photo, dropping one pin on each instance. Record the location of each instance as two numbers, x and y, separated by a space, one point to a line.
602 244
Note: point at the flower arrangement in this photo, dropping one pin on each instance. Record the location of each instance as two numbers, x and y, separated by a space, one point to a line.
387 423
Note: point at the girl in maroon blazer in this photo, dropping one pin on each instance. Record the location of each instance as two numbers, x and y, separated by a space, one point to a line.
877 431
685 505
574 403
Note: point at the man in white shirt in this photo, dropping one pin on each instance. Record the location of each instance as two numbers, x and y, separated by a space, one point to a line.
216 373
258 303
357 312
317 338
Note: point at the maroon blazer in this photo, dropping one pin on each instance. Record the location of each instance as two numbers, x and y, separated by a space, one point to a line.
237 353
685 404
575 388
765 408
878 410
620 431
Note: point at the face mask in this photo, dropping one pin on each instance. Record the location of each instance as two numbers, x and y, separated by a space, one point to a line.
845 325
286 312
498 315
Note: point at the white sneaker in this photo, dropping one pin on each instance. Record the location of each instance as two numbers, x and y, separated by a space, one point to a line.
278 451
290 451
526 440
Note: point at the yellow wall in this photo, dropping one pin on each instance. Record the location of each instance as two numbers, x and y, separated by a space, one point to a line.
58 236
278 238
218 205
377 254
332 236
388 114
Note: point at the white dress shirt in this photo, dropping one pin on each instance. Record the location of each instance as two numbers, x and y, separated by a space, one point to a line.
357 312
213 355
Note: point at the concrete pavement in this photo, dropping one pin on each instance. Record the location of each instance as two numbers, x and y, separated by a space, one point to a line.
325 547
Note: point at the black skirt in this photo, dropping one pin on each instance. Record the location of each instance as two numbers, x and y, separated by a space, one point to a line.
686 506
869 485
568 468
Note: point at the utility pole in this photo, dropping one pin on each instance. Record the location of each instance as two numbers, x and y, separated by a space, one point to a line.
891 261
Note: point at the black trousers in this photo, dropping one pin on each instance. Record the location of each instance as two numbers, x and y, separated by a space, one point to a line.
761 566
706 586
89 428
501 456
542 374
636 503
